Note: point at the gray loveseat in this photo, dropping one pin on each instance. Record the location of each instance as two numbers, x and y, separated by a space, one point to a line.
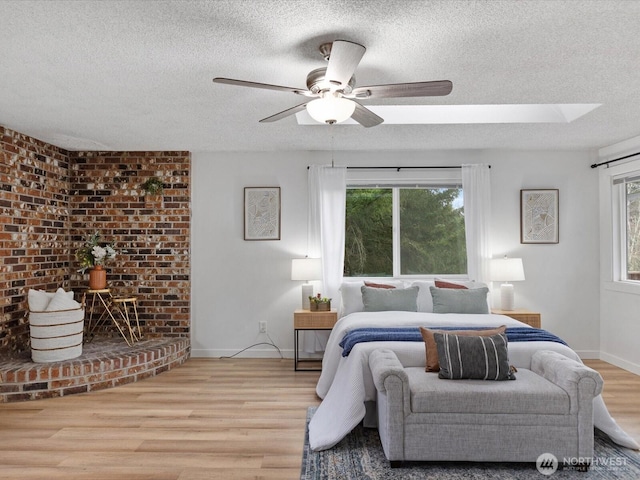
548 409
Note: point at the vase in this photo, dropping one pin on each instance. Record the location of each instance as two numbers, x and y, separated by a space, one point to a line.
97 278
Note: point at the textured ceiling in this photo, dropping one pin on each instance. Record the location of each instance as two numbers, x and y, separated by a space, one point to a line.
136 75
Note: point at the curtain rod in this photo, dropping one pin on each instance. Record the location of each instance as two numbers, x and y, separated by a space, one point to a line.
595 165
403 168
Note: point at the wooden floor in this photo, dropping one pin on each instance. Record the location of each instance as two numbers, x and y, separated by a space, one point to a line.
621 395
208 419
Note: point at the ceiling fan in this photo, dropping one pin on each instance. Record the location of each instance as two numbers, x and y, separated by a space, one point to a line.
333 90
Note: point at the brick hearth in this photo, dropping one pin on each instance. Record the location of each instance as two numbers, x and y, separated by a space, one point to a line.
104 363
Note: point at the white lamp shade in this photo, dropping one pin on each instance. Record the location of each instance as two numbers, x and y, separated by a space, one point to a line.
507 270
330 109
306 269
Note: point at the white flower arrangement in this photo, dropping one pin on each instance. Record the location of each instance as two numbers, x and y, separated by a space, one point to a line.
92 253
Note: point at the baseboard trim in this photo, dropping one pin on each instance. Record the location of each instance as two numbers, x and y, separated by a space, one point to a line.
589 354
619 362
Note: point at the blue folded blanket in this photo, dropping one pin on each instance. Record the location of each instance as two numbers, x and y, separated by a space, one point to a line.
412 334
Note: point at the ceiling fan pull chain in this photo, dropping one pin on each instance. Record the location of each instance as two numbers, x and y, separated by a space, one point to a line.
331 131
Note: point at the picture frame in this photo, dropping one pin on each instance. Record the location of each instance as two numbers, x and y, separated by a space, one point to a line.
262 213
539 216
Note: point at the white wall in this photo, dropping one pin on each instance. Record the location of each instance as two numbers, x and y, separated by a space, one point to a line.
620 301
236 283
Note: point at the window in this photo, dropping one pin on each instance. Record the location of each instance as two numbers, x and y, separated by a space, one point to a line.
396 230
628 192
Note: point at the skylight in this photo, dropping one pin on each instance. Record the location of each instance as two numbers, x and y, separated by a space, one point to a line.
467 114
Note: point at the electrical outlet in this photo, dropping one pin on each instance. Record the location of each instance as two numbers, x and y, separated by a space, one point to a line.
263 326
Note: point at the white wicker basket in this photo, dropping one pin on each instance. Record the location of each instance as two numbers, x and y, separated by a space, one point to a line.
56 336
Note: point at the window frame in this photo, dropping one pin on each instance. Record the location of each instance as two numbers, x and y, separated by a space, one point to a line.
620 223
395 180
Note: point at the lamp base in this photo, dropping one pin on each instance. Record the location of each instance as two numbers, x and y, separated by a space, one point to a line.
307 291
506 296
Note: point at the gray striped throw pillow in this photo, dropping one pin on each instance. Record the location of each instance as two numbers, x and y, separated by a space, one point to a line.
481 358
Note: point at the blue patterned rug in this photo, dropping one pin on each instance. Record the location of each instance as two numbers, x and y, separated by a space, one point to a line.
360 457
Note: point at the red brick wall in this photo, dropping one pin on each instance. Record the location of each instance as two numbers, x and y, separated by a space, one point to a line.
52 199
34 207
151 236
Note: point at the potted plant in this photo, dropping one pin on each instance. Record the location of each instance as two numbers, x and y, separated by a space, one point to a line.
92 256
153 186
319 303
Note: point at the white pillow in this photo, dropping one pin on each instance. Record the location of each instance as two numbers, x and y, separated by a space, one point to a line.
351 298
61 301
38 300
425 300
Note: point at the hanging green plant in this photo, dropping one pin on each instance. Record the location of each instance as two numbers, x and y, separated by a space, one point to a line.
153 186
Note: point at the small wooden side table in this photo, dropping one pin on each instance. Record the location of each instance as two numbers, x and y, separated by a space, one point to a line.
524 316
308 320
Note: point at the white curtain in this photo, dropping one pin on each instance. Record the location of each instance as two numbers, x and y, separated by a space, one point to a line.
327 206
476 186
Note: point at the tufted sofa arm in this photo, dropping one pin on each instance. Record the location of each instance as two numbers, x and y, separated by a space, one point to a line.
579 381
383 363
393 401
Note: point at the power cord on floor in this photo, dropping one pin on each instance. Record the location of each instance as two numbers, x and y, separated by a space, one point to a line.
271 343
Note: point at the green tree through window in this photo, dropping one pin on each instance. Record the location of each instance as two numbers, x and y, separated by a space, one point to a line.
369 233
431 237
432 240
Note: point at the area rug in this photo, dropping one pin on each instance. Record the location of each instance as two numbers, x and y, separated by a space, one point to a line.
359 456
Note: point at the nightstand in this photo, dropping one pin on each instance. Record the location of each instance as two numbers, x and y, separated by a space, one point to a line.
524 316
308 320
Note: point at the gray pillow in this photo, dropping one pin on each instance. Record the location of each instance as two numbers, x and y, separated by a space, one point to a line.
475 357
385 299
452 300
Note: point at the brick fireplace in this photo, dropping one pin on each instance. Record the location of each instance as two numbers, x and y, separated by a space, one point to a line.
52 199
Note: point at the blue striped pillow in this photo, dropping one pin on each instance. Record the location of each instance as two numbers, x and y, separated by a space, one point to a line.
473 357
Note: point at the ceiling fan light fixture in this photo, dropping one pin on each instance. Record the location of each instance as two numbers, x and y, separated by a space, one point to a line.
330 109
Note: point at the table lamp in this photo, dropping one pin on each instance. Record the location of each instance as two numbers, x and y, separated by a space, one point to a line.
306 269
506 270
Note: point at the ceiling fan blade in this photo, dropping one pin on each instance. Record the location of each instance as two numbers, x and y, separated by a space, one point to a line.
343 60
395 90
365 117
265 86
285 113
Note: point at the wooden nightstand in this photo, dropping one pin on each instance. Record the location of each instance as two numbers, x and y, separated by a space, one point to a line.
308 320
524 316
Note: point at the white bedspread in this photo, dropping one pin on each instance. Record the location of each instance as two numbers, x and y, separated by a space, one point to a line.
346 382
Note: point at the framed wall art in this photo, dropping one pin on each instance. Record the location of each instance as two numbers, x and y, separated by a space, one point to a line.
262 213
539 221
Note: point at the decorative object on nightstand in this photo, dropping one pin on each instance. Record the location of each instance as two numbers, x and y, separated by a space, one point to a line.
308 320
306 269
506 270
525 316
319 303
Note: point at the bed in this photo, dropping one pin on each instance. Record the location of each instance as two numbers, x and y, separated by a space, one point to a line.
346 385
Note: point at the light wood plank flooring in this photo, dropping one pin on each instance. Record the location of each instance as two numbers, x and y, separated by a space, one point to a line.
208 419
